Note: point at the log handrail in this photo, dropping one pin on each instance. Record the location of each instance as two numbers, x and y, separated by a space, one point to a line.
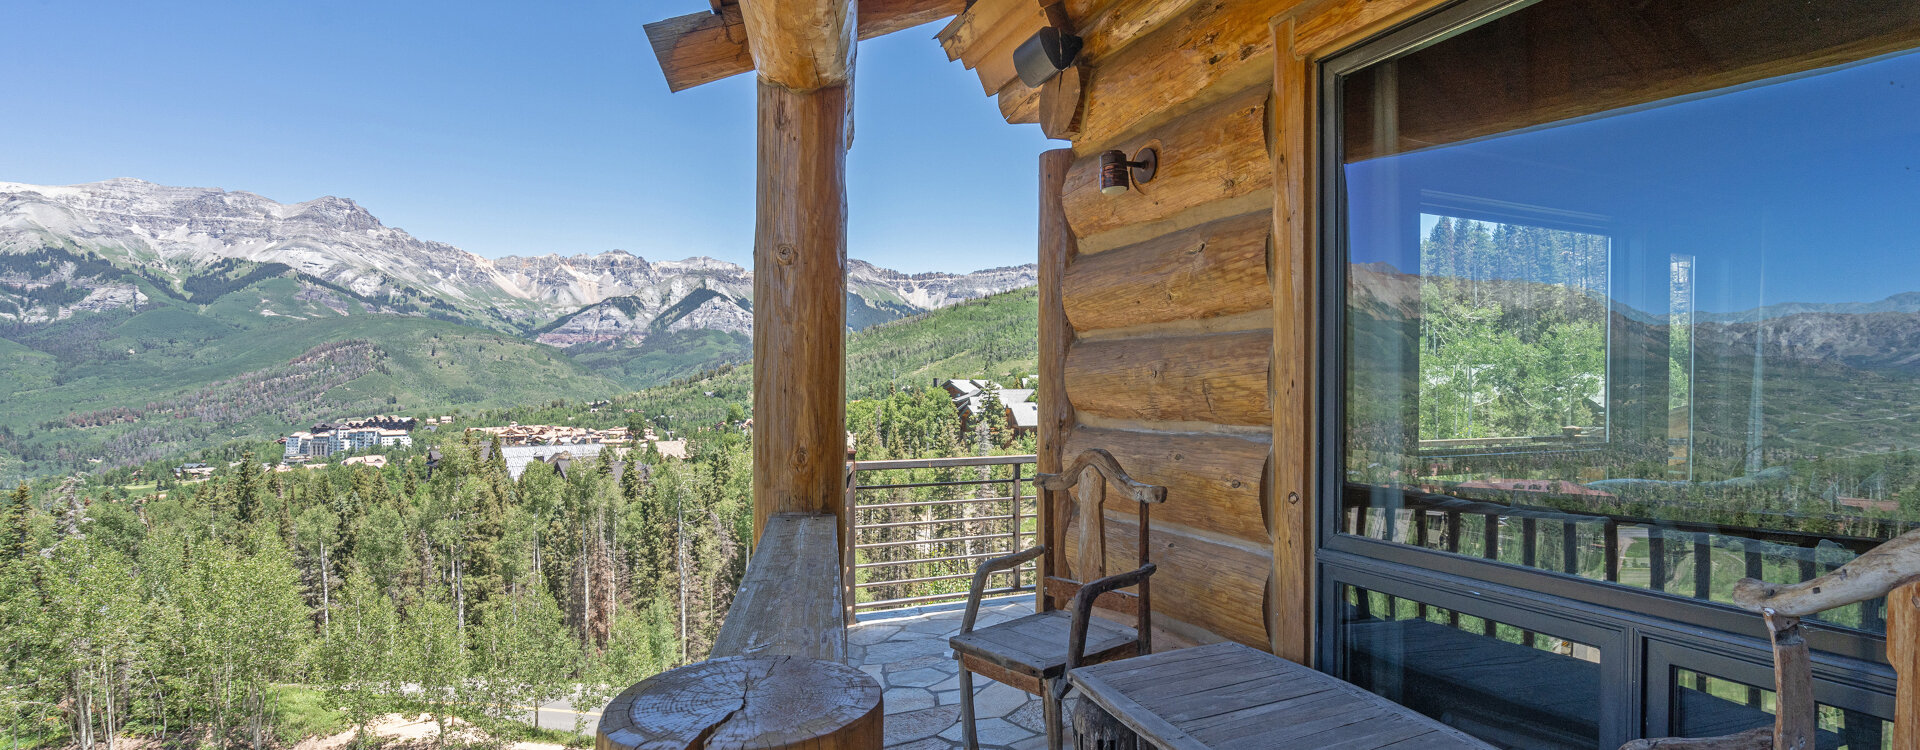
1872 575
1875 573
788 603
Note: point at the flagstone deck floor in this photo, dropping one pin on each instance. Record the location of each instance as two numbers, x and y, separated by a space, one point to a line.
906 650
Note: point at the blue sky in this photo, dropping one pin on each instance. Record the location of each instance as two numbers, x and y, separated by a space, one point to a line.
502 128
1801 189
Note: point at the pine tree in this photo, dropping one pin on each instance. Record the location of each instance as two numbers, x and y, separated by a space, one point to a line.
16 536
480 572
246 489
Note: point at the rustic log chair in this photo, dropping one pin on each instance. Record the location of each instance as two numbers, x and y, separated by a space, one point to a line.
1882 569
1035 652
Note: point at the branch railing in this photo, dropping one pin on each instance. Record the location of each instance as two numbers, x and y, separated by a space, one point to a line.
919 527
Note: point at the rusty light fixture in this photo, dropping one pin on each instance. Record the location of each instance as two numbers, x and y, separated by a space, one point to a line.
1118 173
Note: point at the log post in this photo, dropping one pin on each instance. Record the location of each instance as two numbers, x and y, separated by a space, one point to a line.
1903 651
1291 499
1057 248
799 303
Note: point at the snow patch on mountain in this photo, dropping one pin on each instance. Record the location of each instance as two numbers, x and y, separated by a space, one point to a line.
168 232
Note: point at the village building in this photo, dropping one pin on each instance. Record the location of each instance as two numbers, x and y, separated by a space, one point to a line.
347 436
1017 408
518 457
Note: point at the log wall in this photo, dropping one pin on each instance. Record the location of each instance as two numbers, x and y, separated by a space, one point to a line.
1183 323
1165 296
1167 345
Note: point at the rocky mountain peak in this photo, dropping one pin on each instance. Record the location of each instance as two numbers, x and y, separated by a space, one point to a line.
182 230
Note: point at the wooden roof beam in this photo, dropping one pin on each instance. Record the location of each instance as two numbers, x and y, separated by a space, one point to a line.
800 45
704 47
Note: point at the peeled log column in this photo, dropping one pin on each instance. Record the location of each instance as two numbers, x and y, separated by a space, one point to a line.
747 702
1056 252
799 303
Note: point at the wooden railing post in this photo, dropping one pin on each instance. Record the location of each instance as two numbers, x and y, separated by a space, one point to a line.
1903 651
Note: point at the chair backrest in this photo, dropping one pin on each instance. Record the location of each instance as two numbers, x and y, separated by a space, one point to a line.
1087 480
1877 573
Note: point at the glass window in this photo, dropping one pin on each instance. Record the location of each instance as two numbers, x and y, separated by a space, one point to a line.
1509 686
1628 291
1705 705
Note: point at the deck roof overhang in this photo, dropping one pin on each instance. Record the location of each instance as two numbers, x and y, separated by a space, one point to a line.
703 47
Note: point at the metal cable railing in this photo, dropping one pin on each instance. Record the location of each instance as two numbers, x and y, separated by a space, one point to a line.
919 527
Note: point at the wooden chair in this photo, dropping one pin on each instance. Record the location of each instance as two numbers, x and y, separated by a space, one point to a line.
1877 573
1034 653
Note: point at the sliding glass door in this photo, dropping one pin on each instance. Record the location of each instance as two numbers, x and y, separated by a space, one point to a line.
1621 306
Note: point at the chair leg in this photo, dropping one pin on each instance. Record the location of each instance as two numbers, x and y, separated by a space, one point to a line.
1050 713
968 740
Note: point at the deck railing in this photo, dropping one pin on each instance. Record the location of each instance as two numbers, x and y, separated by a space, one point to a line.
919 527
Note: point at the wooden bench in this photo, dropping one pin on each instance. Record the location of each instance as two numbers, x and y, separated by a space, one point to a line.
1230 696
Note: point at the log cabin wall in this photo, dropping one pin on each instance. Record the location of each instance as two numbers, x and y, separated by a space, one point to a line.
1161 340
1166 301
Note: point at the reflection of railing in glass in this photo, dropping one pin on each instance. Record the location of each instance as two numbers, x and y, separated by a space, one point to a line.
1659 555
1510 685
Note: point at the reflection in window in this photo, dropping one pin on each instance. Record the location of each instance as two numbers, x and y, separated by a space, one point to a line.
1513 328
1510 686
1597 328
1708 706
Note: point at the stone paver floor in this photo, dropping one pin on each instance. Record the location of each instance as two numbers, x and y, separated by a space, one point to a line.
906 650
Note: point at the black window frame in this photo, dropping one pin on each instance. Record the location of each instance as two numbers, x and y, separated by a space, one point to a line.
1653 630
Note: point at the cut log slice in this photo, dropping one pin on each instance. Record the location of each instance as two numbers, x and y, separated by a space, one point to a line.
747 702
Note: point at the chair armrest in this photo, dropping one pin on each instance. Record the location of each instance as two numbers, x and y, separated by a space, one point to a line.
1082 607
988 568
1882 569
1752 739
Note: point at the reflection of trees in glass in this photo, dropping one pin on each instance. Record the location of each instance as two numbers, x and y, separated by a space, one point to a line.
1512 337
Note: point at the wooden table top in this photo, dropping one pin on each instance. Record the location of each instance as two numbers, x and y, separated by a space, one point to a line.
1230 696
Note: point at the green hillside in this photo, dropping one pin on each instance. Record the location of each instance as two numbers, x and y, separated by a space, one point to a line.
252 361
995 337
108 389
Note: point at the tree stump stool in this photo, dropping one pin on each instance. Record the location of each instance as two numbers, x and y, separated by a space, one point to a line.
747 702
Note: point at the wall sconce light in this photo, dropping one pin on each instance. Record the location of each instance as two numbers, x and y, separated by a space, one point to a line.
1117 173
1043 55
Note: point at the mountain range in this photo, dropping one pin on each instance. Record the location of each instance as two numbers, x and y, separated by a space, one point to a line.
125 303
173 234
